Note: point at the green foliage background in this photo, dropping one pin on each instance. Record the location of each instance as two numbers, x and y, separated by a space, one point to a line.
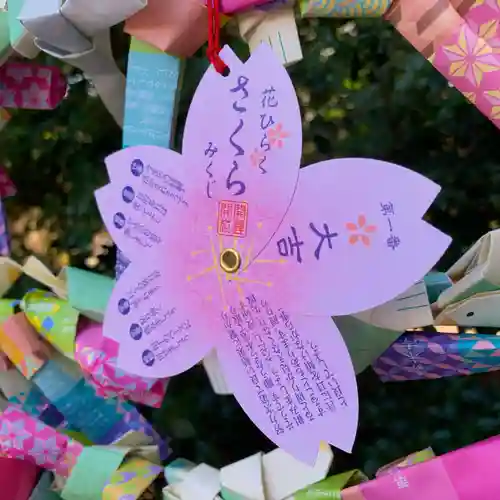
364 92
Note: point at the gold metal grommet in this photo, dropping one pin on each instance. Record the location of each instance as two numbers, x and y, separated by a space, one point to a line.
230 260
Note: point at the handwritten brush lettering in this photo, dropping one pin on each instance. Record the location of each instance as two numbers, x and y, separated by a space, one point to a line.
323 236
387 210
230 184
210 152
239 150
288 247
240 88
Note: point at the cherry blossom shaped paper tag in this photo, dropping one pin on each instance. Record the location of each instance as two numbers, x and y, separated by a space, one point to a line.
211 282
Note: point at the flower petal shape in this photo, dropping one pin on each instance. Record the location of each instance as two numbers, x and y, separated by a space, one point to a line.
353 237
149 188
291 374
232 162
156 319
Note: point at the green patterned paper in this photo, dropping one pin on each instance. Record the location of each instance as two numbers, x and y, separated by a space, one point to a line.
88 292
331 487
106 473
53 318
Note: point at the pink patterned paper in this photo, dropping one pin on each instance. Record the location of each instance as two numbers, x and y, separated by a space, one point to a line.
232 248
7 187
31 86
470 58
230 6
470 473
97 358
27 438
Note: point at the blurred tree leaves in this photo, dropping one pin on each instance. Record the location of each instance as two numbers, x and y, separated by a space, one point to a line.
364 92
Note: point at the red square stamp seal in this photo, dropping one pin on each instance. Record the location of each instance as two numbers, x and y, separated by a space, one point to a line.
232 218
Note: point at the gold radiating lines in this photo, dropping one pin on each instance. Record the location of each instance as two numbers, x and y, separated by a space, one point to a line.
221 275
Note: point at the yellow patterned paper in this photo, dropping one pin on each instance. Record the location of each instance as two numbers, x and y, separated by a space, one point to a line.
344 8
132 478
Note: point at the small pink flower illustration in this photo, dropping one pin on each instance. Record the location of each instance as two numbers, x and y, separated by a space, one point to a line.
256 157
276 136
360 231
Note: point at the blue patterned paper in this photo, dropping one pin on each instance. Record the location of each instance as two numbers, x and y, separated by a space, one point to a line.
150 102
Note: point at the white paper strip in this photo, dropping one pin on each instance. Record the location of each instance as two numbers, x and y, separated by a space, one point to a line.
276 27
77 32
92 16
100 67
216 375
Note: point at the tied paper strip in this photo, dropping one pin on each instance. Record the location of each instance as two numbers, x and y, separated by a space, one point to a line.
117 472
77 32
61 381
98 361
102 421
153 87
24 347
53 318
254 238
57 320
231 6
274 24
31 86
344 8
26 395
432 354
26 438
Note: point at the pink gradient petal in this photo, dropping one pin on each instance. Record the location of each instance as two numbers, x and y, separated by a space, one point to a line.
268 194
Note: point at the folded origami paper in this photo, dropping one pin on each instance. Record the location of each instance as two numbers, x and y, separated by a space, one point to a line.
77 32
97 358
431 353
179 28
61 381
474 297
271 476
466 474
27 438
26 395
459 37
17 478
31 86
58 321
117 471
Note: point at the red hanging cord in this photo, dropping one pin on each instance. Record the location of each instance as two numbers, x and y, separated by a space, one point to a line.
213 50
